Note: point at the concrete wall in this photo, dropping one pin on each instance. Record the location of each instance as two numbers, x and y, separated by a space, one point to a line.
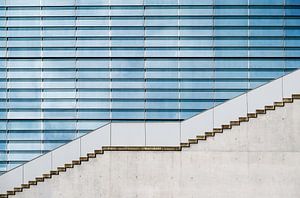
260 158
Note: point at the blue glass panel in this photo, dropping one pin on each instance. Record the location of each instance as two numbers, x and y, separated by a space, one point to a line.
71 66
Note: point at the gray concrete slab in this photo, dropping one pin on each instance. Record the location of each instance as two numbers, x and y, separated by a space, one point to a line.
257 159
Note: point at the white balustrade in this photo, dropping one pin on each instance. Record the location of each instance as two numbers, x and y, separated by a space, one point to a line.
230 111
265 95
128 134
291 84
162 133
95 140
196 125
66 153
37 167
11 179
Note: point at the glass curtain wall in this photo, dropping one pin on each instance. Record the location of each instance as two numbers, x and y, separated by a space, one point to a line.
70 66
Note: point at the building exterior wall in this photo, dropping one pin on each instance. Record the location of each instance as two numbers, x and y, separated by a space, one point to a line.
260 158
70 66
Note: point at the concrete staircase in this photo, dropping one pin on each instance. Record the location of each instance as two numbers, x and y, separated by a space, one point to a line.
139 138
240 120
207 135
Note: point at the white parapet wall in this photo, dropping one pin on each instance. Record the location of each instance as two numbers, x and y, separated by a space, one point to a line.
112 134
154 133
259 158
237 107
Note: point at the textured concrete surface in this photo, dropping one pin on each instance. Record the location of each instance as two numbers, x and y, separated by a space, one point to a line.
260 158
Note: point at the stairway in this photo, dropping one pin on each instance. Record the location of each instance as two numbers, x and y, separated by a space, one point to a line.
195 140
207 135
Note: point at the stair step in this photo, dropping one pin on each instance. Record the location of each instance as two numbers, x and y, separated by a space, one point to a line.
32 182
141 148
296 96
61 169
269 107
209 134
226 126
47 176
39 179
69 165
18 189
3 196
10 192
91 155
54 172
279 104
25 185
218 130
234 123
201 137
185 145
243 119
84 159
76 162
261 111
287 100
99 152
193 141
252 115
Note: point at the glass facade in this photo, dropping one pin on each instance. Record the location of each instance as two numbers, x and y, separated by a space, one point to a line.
70 66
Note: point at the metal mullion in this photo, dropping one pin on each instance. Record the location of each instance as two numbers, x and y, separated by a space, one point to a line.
171 16
42 80
76 70
248 53
187 57
110 74
106 5
6 93
178 61
284 45
145 70
179 71
213 63
284 37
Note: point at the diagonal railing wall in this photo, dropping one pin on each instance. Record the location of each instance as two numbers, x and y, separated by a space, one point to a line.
240 106
154 133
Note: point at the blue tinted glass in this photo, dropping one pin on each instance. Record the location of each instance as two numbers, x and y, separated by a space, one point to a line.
66 70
